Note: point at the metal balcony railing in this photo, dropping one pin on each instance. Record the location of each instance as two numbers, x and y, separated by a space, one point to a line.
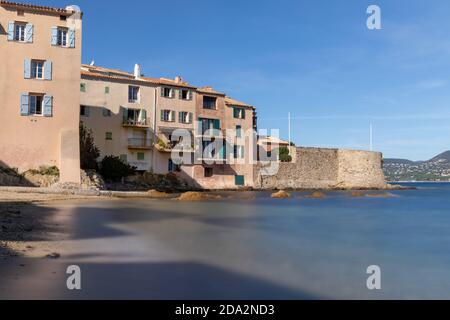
140 143
136 122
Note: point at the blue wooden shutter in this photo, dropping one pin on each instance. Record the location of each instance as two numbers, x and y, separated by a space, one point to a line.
27 68
48 106
48 70
54 36
11 31
71 36
29 33
24 104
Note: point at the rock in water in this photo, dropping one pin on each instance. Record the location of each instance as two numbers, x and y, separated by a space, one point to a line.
197 196
317 195
281 195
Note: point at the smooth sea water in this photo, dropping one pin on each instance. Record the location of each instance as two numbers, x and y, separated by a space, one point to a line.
249 246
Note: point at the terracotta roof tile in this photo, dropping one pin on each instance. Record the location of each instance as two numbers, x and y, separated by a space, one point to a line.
210 90
232 102
35 7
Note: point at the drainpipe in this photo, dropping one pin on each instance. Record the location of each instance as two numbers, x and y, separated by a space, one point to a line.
155 101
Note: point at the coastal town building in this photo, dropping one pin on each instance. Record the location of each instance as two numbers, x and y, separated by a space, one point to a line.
40 51
136 118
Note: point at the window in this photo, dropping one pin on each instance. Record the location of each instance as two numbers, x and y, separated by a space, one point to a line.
37 69
209 124
185 117
108 136
19 32
173 167
124 158
238 131
106 90
167 92
239 113
168 115
140 156
106 112
185 94
36 104
209 172
238 152
84 111
209 103
61 37
83 87
133 94
63 18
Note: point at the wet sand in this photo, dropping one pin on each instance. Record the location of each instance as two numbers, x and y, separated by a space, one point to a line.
241 246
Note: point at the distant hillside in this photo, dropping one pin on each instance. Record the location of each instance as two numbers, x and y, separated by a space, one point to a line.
444 156
436 169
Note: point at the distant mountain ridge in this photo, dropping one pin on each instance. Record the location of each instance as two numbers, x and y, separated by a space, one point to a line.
435 169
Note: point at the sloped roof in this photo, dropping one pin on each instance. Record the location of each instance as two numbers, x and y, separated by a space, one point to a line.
115 74
210 90
35 7
272 140
232 102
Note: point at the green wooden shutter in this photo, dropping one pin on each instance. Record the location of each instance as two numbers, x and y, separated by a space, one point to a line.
217 124
125 115
144 115
243 113
239 180
191 117
162 115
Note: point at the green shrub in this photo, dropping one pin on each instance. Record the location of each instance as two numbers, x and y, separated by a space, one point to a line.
46 171
114 169
284 154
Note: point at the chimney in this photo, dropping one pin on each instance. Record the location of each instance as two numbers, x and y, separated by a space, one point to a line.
137 71
178 79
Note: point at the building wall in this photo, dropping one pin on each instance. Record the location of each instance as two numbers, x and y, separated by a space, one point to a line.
163 128
224 174
28 142
96 98
318 168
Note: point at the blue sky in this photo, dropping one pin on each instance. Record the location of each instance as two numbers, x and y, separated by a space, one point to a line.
313 58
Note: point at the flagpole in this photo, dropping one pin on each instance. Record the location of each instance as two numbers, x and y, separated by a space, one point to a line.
289 127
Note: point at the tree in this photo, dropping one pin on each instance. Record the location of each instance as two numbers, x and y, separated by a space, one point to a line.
284 154
114 169
89 153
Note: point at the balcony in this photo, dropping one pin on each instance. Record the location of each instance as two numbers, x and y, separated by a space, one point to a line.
172 146
140 143
136 123
140 165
